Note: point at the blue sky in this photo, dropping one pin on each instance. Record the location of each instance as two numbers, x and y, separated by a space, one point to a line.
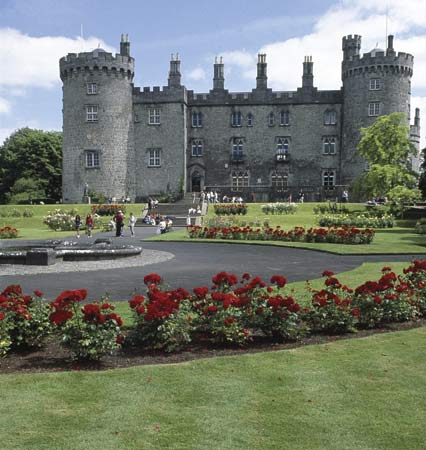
35 33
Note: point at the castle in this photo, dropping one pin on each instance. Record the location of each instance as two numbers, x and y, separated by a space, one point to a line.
123 141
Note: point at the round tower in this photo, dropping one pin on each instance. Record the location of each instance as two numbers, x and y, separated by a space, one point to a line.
97 123
375 84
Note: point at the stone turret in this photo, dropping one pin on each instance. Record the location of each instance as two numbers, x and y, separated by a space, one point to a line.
374 84
415 139
97 122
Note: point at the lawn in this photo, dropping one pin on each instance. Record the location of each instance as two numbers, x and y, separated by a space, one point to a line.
397 240
358 394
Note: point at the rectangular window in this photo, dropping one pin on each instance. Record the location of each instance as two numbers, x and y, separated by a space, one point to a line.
279 181
329 145
250 120
92 159
91 113
330 117
237 150
373 109
236 119
239 180
154 157
197 148
329 178
375 84
284 118
197 120
154 116
92 88
271 119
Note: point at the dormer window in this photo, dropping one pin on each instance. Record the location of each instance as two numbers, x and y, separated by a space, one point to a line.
330 117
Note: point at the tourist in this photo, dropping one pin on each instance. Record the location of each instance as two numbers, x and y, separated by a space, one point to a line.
345 196
77 222
119 219
194 197
301 197
132 222
89 225
162 226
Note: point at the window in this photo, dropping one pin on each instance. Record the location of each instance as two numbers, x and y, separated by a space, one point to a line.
154 157
330 117
282 149
92 88
328 178
197 119
373 109
91 113
250 119
284 118
92 159
197 148
136 117
239 180
375 84
329 145
279 180
154 116
271 119
236 119
237 149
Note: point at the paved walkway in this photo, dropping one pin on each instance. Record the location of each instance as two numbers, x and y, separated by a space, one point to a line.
180 264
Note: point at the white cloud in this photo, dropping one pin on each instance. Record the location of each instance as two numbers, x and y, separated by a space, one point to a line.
4 106
33 61
197 74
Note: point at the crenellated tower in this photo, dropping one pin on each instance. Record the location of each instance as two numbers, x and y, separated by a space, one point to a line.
374 84
97 122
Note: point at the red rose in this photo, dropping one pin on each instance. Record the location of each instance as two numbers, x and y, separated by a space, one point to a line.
201 292
136 301
355 312
38 293
327 273
60 317
279 280
152 278
2 316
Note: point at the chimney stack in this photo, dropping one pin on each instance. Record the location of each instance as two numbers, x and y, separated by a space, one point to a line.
262 78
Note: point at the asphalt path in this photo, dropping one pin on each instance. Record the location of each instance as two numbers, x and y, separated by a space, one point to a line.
194 264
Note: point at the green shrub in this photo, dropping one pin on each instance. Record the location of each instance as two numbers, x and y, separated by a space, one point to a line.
420 227
227 209
361 220
279 208
108 209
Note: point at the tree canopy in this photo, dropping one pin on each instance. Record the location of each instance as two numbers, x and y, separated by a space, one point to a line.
387 147
31 155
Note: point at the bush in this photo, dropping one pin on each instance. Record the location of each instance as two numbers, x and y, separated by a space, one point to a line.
230 208
361 220
279 208
420 227
8 233
60 220
89 332
108 209
28 212
331 208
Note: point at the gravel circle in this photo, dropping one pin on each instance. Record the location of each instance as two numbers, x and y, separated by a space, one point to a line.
147 257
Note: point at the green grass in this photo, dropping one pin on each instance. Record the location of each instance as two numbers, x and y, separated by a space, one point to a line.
34 228
360 394
397 240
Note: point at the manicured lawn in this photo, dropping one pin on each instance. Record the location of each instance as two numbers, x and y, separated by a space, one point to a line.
359 394
395 240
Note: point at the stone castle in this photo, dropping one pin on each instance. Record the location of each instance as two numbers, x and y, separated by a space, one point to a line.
124 141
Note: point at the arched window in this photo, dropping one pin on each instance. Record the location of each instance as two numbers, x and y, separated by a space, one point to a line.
282 153
250 119
328 178
271 119
330 117
329 145
197 148
236 119
284 118
239 179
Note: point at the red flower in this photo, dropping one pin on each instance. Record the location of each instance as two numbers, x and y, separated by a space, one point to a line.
355 312
119 339
13 289
61 316
107 306
2 316
201 292
38 293
136 301
279 280
246 276
229 321
140 310
152 278
117 318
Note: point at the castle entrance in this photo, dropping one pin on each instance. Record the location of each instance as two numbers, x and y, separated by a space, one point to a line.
196 182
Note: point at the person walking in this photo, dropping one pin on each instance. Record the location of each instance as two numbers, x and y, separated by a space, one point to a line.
345 196
132 222
89 225
77 222
118 219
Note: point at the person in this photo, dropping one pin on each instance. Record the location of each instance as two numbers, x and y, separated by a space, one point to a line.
132 222
301 197
118 219
194 197
89 225
162 225
77 222
345 196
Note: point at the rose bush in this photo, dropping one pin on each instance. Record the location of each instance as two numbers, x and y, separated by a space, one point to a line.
279 208
227 209
108 209
361 220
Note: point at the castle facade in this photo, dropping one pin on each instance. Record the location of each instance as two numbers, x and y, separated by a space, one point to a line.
124 141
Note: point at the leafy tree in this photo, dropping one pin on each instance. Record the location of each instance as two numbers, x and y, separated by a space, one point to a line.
25 190
387 147
33 155
422 180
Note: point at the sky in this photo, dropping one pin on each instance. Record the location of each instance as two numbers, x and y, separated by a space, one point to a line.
34 34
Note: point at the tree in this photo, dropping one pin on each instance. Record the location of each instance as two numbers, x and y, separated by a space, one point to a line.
387 147
32 155
422 180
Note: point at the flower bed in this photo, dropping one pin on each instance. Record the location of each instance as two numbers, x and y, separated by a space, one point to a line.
279 208
60 220
8 232
233 311
108 209
344 235
222 209
362 220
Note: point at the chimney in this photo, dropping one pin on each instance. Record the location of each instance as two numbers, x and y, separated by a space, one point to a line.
417 118
124 45
390 50
218 77
262 78
308 73
174 74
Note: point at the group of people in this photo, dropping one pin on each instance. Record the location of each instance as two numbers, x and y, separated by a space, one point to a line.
122 200
117 223
88 225
163 224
